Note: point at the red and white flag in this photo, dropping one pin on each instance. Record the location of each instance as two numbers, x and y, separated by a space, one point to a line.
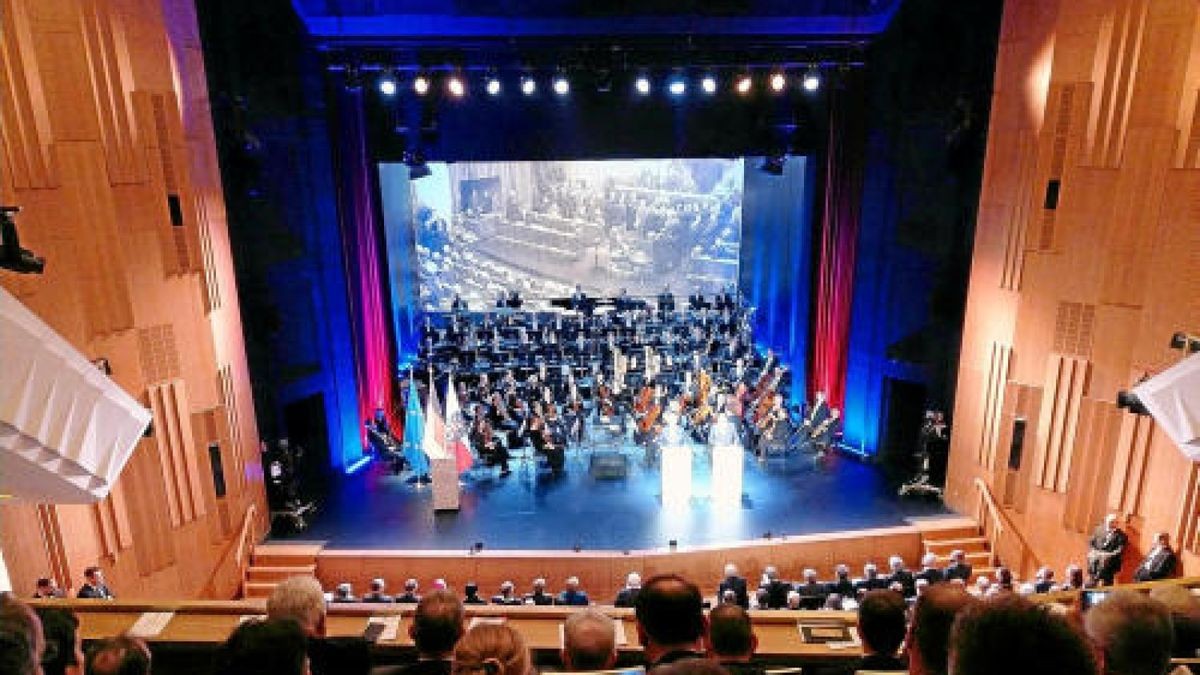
456 431
434 442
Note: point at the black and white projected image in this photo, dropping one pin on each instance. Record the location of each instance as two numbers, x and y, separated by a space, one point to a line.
482 228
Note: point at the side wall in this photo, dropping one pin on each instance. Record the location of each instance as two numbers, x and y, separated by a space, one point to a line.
1070 304
107 145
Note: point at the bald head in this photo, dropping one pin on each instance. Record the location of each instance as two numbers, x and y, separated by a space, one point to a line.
589 641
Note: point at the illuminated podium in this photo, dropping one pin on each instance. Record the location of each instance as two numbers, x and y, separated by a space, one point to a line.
443 472
727 462
676 462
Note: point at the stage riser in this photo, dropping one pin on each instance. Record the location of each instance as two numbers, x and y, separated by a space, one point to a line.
602 573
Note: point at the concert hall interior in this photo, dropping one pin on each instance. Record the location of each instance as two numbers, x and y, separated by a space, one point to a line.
492 291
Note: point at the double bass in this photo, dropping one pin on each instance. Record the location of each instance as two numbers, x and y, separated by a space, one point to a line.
646 411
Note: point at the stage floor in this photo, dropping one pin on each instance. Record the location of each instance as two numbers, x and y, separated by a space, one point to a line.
534 510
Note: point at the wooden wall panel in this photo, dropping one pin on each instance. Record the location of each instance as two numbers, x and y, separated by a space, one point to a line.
104 114
1099 295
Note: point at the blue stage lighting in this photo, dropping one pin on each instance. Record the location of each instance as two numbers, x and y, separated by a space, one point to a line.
493 86
528 86
421 85
812 80
677 86
387 85
562 86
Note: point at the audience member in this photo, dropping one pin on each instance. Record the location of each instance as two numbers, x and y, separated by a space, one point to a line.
539 596
1043 582
507 595
572 594
834 601
1004 581
1008 634
471 594
46 588
63 653
436 627
409 597
812 591
1105 550
1185 617
735 583
731 640
871 580
899 574
983 586
589 641
376 593
21 641
1132 632
300 599
670 620
1159 563
958 568
794 601
921 586
842 585
929 569
692 666
774 591
1073 580
94 586
928 640
627 596
271 647
344 593
491 649
122 655
881 617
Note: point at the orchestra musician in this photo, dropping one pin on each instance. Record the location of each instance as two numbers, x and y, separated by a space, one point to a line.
514 300
488 446
458 304
825 432
543 440
696 301
818 411
666 302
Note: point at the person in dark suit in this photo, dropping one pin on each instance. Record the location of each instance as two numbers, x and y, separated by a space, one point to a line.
812 591
871 581
275 646
881 625
627 597
94 586
842 585
300 599
1043 582
666 301
46 588
1105 549
589 641
929 571
436 627
900 575
507 595
774 591
376 593
539 596
696 301
344 593
1159 563
458 304
409 596
514 300
670 621
736 584
471 594
732 642
572 594
958 568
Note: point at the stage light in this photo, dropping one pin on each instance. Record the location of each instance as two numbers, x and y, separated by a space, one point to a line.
778 82
455 86
387 85
677 86
709 84
642 85
562 87
493 86
421 85
812 80
528 86
743 84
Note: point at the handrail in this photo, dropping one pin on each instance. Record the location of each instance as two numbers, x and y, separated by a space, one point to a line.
244 535
1000 522
239 547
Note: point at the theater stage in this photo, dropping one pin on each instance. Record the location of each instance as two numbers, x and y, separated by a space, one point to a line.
531 510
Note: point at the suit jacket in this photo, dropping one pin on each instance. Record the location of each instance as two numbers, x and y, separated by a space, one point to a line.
408 598
738 586
931 574
339 656
377 597
1105 551
539 599
843 587
100 592
863 585
627 597
905 578
573 598
958 571
777 592
1159 564
1043 587
422 667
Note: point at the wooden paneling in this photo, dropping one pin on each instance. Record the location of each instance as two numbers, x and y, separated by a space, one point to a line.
92 142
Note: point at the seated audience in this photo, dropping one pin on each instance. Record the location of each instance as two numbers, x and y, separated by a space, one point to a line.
958 568
94 586
344 593
899 574
1106 550
46 588
929 570
507 595
1074 579
922 585
1043 582
774 591
300 599
21 641
794 601
731 640
1132 633
812 589
983 586
627 596
871 580
436 627
589 641
572 594
1008 634
1004 581
1185 617
539 596
409 596
670 620
834 601
272 647
376 594
842 585
735 583
881 625
1159 563
471 594
491 649
63 653
122 655
928 640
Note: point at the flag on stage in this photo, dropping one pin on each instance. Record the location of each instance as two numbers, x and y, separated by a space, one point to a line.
456 430
434 439
414 430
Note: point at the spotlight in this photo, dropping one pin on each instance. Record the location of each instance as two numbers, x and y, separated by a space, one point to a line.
387 85
455 86
421 85
562 87
812 80
778 82
493 86
677 86
773 164
743 84
642 85
709 84
528 86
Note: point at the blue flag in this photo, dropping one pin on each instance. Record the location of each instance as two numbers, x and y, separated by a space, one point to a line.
414 432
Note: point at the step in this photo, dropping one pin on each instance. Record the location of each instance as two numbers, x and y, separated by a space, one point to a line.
258 589
977 559
274 574
965 544
285 555
945 527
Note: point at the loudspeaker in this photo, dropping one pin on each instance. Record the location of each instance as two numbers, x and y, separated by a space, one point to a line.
218 471
1017 447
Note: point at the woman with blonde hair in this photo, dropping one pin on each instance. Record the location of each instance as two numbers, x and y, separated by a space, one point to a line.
491 649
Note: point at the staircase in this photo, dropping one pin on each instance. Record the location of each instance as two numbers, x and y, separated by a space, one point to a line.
942 535
272 563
